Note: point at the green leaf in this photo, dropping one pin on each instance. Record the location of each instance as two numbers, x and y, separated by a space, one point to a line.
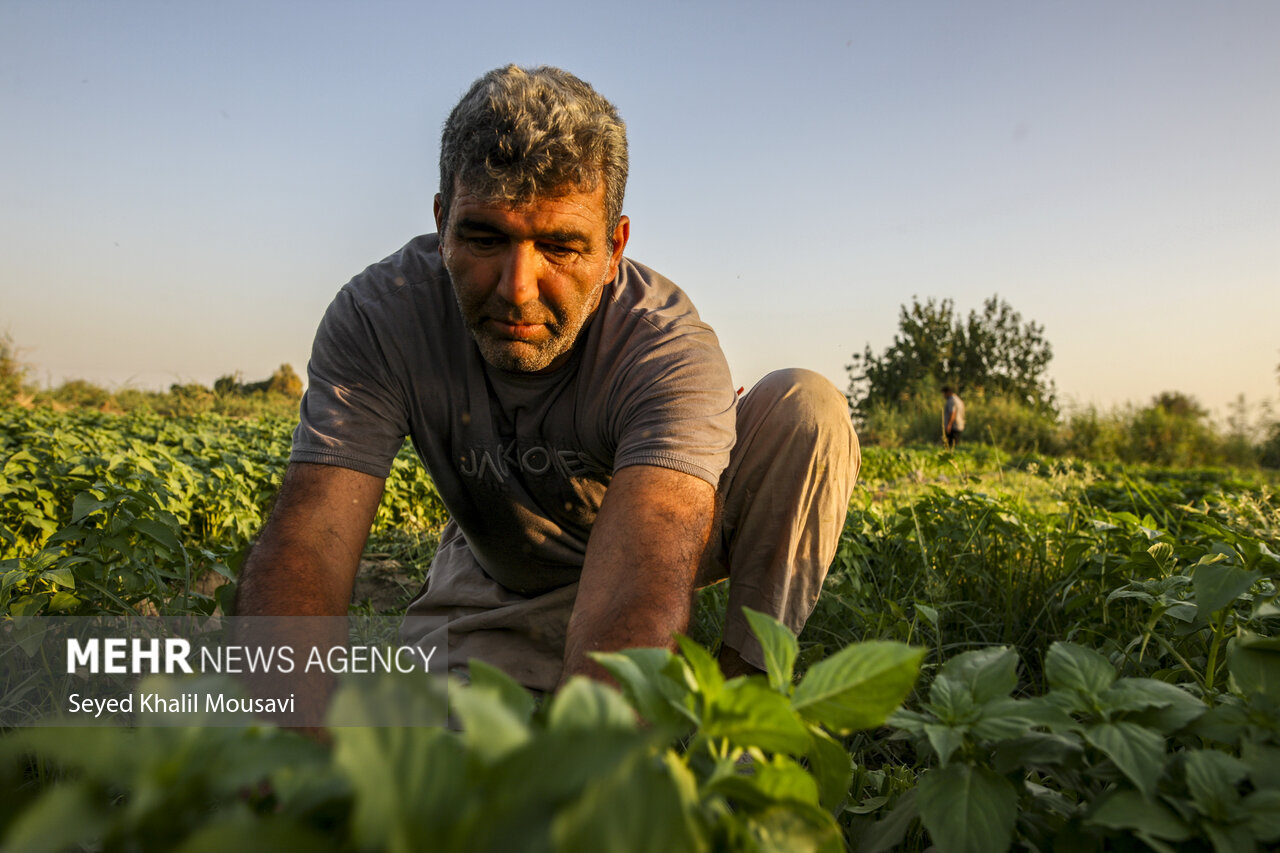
11 577
159 533
1219 584
930 614
888 834
790 828
1137 594
1006 718
1138 694
1128 810
60 576
510 692
968 809
988 673
705 668
85 504
1138 752
65 816
63 601
859 686
1264 764
780 648
490 728
1263 808
518 797
1161 553
1075 667
642 675
782 779
1212 778
945 740
1037 749
952 701
587 704
832 768
1255 669
645 804
1154 704
1230 838
749 713
910 721
409 784
26 608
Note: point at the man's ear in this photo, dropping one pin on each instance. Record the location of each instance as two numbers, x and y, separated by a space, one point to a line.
437 207
621 233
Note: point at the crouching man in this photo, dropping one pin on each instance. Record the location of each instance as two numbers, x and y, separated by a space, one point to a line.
575 413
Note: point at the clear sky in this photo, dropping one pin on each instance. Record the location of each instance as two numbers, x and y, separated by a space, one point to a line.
185 185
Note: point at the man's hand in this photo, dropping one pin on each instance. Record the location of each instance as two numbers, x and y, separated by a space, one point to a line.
643 556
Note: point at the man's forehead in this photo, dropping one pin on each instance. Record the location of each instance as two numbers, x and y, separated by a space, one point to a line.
569 203
567 190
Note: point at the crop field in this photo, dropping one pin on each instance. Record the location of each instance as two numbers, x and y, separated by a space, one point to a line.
1011 652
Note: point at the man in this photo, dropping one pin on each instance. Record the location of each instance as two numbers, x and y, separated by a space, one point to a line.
952 416
575 413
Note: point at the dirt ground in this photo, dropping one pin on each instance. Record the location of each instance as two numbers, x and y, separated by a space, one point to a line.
387 585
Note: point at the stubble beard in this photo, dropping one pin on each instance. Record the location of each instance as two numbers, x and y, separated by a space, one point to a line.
526 356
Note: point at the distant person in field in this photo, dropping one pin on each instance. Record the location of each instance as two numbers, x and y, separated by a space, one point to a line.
575 413
952 416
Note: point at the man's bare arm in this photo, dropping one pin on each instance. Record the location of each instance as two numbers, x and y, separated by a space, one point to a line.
305 560
642 559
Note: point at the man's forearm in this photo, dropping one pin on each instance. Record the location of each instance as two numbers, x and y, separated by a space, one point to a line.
292 579
306 557
295 585
642 560
625 621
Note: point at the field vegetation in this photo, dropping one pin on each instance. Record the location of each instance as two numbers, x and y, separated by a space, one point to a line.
230 395
1013 650
1062 635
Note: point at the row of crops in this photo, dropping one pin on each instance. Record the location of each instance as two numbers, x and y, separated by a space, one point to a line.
1010 653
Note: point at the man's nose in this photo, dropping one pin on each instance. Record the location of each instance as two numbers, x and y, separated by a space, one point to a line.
519 282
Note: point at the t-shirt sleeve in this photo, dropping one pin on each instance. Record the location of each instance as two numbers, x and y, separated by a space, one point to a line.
679 411
353 413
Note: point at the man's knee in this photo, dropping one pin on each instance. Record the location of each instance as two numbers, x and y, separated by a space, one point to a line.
805 401
803 386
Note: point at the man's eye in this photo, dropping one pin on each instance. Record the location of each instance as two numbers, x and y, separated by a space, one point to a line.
483 242
559 253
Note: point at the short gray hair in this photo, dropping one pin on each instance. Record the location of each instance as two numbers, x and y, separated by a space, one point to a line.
518 134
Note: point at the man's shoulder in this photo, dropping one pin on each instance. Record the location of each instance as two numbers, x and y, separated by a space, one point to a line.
645 294
415 266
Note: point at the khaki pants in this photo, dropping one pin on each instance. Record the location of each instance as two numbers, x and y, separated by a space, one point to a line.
783 502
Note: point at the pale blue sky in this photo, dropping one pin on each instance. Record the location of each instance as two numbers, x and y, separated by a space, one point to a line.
187 184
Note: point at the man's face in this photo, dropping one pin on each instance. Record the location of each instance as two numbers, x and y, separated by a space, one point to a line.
528 276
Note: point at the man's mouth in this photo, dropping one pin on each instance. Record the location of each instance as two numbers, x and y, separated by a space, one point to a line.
515 329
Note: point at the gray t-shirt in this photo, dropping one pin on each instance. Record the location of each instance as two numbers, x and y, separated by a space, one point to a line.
953 404
521 460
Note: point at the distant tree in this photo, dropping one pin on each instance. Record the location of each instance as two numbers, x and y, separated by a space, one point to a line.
991 351
81 394
285 381
13 372
1179 405
229 385
1173 430
1269 452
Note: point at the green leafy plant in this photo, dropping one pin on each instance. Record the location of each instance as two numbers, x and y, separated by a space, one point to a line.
1095 762
680 760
